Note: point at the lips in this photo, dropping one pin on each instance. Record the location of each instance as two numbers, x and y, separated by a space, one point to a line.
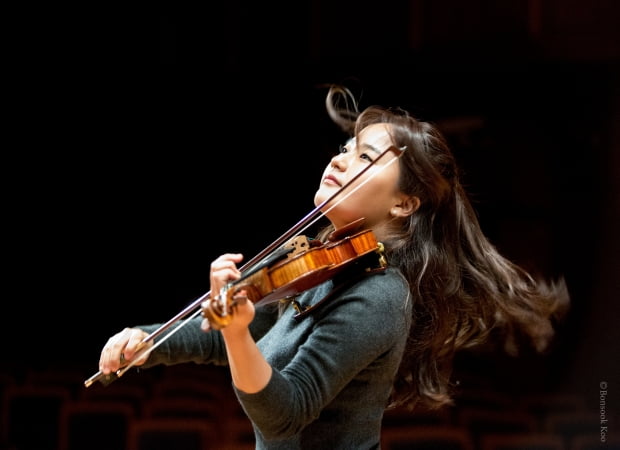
330 179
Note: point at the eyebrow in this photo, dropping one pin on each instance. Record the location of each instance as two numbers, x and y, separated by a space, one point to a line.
371 148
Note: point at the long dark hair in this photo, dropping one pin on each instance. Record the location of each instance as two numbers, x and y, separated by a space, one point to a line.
463 288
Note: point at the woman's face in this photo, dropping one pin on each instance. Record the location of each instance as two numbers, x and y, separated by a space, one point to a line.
378 194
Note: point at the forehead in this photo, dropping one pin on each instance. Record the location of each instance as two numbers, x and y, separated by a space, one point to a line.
376 135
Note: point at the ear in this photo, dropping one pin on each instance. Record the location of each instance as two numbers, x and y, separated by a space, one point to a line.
405 206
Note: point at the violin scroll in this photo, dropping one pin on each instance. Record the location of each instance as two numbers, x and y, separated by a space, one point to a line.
219 311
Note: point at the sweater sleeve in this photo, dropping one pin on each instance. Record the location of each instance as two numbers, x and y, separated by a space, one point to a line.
190 344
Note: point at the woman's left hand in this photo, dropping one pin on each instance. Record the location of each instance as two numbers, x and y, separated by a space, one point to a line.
223 271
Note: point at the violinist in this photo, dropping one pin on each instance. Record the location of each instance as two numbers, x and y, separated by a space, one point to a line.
318 369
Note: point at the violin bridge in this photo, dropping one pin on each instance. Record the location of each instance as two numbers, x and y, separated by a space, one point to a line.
298 244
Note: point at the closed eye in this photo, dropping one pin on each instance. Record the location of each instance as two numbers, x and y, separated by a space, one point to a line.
344 149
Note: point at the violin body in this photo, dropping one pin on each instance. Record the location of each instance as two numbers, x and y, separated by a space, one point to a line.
305 267
308 268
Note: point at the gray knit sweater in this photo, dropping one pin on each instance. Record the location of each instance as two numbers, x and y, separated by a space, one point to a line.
332 370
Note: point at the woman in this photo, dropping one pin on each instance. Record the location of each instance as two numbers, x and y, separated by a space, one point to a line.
318 370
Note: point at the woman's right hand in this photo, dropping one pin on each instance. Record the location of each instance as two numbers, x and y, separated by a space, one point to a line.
121 349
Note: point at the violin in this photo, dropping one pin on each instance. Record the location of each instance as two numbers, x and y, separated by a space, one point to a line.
288 266
306 264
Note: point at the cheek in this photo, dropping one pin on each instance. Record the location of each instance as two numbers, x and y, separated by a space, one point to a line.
378 188
375 197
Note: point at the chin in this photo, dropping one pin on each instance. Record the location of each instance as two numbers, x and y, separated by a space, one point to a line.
319 198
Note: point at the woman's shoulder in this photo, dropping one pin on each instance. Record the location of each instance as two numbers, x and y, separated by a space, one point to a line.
381 292
390 279
371 291
382 299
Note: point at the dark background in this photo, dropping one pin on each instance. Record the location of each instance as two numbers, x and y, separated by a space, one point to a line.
144 143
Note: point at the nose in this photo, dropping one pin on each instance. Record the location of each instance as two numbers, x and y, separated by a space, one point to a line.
339 161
